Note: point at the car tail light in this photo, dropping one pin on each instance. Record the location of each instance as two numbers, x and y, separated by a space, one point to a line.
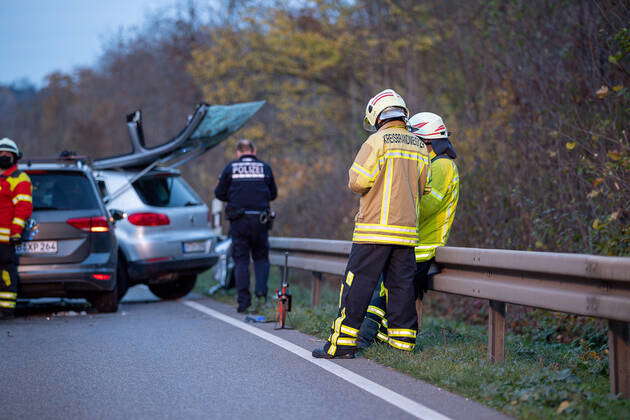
101 276
90 224
148 219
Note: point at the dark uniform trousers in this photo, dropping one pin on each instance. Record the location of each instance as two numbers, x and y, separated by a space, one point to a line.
365 265
8 278
249 236
374 326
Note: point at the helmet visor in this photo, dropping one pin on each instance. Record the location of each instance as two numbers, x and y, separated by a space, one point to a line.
367 126
392 112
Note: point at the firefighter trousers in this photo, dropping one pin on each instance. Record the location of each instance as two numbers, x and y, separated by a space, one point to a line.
8 278
374 326
365 265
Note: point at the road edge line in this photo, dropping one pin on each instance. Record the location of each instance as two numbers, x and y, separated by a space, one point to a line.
406 404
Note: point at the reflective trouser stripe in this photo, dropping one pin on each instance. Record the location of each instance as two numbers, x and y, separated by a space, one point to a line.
336 332
7 304
401 332
349 330
376 311
383 337
346 341
401 345
8 295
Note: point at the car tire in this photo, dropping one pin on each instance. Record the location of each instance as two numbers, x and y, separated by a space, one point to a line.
122 277
174 289
106 302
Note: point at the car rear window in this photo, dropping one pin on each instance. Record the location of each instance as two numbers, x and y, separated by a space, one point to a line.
62 190
165 190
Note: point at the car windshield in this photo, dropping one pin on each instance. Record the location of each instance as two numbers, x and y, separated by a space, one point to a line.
165 190
62 190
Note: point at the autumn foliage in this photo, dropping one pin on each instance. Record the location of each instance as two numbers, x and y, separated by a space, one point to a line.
536 93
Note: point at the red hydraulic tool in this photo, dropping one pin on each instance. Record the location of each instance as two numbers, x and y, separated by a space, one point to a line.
284 296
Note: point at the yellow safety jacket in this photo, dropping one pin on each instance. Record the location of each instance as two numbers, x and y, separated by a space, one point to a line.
437 209
389 172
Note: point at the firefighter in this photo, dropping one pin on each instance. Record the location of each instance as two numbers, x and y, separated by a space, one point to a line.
389 173
16 206
247 184
437 211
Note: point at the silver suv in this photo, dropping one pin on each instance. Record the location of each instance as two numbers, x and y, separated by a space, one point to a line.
71 250
165 239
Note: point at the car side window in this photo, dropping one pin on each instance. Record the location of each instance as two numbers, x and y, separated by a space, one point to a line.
102 188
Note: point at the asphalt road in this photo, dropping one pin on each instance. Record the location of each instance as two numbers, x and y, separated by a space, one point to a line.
158 359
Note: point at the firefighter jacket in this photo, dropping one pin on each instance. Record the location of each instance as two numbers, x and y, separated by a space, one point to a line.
437 209
247 183
389 172
16 202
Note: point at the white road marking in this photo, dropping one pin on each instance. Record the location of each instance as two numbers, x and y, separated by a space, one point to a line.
412 407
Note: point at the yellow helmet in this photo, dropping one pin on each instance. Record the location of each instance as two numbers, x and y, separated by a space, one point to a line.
385 105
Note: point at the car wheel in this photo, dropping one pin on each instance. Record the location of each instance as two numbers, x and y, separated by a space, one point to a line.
174 289
122 277
106 302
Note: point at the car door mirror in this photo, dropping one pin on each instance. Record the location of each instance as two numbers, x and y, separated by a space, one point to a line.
117 214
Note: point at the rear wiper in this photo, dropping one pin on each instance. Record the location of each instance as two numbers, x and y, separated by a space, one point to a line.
45 208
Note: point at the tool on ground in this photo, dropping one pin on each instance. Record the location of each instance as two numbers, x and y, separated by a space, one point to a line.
283 295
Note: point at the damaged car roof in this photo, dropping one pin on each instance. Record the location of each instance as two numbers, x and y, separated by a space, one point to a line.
208 126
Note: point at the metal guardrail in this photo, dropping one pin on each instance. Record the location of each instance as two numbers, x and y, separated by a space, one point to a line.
572 283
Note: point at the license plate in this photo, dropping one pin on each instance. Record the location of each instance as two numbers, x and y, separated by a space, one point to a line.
197 246
37 247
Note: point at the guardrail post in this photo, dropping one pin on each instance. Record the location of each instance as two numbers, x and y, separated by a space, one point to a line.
496 331
316 288
619 357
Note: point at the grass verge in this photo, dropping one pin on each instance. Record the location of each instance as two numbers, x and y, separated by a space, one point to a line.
538 380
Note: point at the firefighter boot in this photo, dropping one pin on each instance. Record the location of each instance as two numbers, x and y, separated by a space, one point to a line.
341 354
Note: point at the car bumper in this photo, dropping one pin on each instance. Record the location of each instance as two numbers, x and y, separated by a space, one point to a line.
149 271
65 280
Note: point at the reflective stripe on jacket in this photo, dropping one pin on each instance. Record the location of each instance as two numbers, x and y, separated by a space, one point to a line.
389 172
16 202
437 209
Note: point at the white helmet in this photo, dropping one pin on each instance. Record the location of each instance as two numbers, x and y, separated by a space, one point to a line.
428 125
8 145
387 104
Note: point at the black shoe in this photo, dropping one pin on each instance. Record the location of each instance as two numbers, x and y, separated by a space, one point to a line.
242 309
6 315
341 354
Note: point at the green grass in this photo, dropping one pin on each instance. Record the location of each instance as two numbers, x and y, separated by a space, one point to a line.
538 380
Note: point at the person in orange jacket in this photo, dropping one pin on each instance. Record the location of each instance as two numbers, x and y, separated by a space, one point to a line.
16 206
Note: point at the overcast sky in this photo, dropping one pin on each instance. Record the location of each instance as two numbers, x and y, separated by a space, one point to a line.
40 36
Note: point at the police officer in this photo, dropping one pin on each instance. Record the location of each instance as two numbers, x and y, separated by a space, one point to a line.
389 173
16 206
247 184
437 211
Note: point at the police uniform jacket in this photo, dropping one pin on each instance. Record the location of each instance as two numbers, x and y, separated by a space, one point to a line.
247 183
